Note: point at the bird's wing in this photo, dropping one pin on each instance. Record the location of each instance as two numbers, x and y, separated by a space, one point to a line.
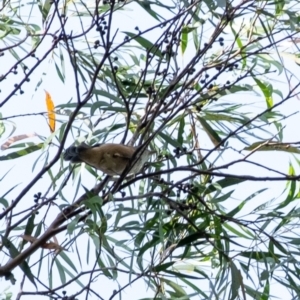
118 150
122 155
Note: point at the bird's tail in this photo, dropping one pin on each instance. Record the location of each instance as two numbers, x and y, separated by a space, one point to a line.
73 153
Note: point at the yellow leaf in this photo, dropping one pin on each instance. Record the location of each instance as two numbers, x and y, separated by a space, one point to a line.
51 113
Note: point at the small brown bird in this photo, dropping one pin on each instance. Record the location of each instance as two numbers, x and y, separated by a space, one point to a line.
111 159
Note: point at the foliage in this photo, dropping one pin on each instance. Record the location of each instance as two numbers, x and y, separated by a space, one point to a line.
206 84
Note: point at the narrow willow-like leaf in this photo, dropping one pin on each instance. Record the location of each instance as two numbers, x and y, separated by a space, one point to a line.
51 112
267 90
236 280
179 291
212 134
61 270
184 39
272 146
22 152
146 44
66 258
14 252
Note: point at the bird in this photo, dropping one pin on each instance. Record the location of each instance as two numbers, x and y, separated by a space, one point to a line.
110 158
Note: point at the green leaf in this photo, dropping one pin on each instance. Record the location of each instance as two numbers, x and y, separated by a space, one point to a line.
267 90
13 251
29 228
145 4
253 293
104 269
72 225
163 267
22 152
184 39
238 233
46 8
146 44
261 256
236 280
222 198
4 202
292 194
181 275
212 134
111 97
179 291
60 75
191 238
169 140
154 241
61 271
266 292
181 131
240 45
223 183
107 107
195 287
272 146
